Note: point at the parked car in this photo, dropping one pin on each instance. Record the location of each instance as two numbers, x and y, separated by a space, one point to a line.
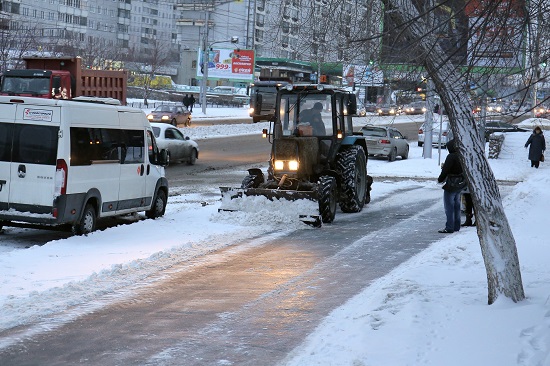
415 108
387 110
495 109
542 111
439 128
370 107
386 141
361 110
173 114
179 148
531 123
500 126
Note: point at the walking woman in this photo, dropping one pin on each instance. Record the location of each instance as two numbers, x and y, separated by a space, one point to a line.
537 146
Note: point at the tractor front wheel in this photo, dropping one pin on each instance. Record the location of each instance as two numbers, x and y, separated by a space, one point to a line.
352 164
326 192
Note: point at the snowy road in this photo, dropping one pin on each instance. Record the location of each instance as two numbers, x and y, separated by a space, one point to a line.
247 304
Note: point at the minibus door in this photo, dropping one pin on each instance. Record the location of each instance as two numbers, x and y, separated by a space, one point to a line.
132 170
7 119
34 157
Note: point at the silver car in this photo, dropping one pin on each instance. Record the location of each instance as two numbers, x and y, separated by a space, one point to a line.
385 141
179 148
440 131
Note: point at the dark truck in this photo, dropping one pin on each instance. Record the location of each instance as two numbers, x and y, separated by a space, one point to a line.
263 95
63 78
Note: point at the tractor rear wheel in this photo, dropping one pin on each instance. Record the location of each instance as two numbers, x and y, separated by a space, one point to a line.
352 164
326 192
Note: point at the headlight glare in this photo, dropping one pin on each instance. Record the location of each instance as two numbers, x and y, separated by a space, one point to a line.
293 165
279 164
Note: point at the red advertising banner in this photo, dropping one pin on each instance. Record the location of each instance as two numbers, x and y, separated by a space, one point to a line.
243 62
509 8
496 33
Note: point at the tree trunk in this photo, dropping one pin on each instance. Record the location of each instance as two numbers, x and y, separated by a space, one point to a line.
498 245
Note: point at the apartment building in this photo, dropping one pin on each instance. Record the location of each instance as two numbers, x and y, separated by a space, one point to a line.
122 28
316 31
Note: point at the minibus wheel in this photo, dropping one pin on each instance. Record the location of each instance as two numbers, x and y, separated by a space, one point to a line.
159 205
87 222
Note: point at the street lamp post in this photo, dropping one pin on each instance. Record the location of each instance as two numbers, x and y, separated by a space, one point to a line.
205 61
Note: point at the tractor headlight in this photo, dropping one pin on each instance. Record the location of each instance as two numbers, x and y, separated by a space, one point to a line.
250 111
290 165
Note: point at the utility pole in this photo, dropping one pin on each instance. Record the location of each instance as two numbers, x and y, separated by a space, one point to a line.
207 45
536 58
205 60
428 124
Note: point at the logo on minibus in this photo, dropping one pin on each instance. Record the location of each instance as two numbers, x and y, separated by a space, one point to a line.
37 114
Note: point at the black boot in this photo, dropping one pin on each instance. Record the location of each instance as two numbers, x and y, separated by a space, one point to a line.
468 221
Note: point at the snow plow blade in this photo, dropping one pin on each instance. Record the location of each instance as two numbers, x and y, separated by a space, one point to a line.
270 194
229 194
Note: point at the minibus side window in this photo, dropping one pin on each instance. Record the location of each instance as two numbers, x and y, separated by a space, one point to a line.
152 146
89 145
133 148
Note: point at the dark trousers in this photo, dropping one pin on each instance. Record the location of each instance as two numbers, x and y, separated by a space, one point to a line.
468 205
535 164
451 202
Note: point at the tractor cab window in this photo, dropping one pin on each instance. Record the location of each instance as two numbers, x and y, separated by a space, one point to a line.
306 115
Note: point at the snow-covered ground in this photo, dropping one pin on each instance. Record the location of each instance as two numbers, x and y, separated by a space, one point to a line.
431 310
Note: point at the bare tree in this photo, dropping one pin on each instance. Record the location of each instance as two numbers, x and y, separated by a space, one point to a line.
449 70
150 62
15 41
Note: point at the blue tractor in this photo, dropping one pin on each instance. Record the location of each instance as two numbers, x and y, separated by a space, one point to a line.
315 154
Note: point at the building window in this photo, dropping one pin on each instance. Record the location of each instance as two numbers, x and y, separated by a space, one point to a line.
259 35
260 18
285 42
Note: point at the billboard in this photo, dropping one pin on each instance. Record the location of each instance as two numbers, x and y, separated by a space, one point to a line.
496 33
479 33
451 32
231 64
363 75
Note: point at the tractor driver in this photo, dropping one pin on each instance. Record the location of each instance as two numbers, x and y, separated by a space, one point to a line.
313 116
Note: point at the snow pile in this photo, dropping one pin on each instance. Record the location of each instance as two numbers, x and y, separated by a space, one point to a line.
204 132
258 210
431 310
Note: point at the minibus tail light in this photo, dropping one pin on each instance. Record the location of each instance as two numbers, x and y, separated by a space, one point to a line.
61 175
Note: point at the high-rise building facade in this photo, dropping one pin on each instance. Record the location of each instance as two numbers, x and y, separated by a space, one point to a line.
318 31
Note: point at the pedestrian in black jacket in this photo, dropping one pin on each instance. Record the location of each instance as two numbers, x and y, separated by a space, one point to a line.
191 103
537 146
451 172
